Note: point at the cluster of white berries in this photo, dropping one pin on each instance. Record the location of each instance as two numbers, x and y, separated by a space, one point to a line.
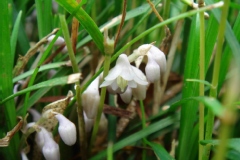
125 79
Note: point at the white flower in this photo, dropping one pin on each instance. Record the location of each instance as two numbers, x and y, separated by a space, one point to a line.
90 99
67 130
50 148
123 75
58 42
156 61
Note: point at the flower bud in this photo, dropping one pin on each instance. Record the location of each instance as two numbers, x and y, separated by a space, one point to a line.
50 148
152 70
67 130
58 42
90 99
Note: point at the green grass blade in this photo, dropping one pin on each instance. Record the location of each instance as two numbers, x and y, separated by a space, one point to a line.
44 17
49 83
233 143
230 37
129 15
15 34
226 59
189 110
159 151
41 92
138 136
85 20
8 111
42 68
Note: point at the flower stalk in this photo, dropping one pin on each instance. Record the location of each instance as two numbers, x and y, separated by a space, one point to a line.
81 127
201 76
108 49
216 70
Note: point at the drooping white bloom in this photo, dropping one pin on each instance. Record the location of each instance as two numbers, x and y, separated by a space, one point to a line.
50 148
152 69
123 75
90 99
66 130
58 42
159 57
156 61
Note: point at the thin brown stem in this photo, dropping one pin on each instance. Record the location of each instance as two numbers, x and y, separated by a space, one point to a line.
122 21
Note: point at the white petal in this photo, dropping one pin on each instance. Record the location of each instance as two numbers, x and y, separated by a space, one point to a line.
152 70
127 95
114 85
159 57
126 73
140 92
50 149
132 84
139 77
143 49
91 98
106 83
113 73
122 64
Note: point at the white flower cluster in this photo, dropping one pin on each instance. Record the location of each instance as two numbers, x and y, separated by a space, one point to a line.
44 139
125 79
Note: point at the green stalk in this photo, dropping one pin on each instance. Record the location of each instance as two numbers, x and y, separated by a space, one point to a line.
144 154
201 77
216 70
7 109
230 116
81 127
109 49
112 121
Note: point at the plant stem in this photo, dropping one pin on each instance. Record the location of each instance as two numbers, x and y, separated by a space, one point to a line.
81 127
216 70
201 77
143 126
230 116
109 49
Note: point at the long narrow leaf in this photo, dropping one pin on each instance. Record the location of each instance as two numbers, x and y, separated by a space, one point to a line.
50 83
15 34
85 20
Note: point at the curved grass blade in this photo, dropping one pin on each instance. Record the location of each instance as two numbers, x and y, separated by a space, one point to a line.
15 34
86 21
50 83
138 136
159 151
